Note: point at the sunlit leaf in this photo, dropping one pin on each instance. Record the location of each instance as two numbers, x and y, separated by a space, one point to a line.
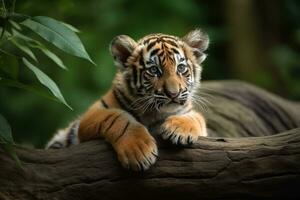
46 81
36 44
25 49
58 34
72 28
5 130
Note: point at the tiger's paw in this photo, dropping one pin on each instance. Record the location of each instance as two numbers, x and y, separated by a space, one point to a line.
182 130
137 149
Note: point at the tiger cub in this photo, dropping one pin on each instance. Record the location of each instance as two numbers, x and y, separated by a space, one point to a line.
156 79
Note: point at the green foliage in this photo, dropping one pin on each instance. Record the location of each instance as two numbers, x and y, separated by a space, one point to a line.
6 140
5 131
17 43
46 81
58 34
35 119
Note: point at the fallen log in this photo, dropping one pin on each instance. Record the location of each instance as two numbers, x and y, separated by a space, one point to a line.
227 165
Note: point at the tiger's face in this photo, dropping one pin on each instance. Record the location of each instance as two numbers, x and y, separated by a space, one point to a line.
159 70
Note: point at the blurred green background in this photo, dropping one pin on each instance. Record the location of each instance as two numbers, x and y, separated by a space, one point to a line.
253 40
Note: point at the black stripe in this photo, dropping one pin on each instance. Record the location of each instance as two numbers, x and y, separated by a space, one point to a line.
124 106
134 74
149 87
175 51
123 96
169 37
112 123
153 52
104 103
118 95
193 71
123 132
128 85
71 135
185 73
150 45
69 138
149 62
161 54
108 117
171 43
146 77
99 128
141 61
150 38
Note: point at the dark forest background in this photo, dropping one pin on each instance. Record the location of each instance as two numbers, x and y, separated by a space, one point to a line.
253 40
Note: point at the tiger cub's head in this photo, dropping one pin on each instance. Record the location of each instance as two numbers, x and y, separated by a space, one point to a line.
159 70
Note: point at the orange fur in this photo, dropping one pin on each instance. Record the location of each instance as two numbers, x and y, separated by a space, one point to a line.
184 129
135 147
140 97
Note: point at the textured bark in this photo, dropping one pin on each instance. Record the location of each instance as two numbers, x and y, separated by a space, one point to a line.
220 167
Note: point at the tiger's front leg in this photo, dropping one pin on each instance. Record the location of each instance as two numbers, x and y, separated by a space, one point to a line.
135 147
184 129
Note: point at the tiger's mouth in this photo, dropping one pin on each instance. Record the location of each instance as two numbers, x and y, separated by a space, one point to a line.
164 101
171 101
157 102
177 101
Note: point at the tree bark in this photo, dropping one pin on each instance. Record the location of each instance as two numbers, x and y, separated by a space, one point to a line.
217 167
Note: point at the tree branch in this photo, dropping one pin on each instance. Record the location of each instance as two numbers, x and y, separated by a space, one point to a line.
214 168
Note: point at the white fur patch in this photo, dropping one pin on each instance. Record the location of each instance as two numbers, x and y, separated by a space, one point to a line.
66 136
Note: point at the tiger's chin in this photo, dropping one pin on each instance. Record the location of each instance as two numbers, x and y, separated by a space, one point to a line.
172 106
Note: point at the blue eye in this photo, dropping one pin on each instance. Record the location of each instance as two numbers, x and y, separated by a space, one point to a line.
181 68
154 70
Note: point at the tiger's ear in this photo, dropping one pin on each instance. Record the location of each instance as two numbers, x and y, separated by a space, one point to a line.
121 47
198 41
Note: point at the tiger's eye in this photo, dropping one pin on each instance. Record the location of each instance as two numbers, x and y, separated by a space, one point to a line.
154 70
181 68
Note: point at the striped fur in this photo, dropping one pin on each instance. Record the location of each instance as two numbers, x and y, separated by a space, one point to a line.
154 86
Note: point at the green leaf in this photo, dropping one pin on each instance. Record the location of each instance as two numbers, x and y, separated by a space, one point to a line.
17 17
9 64
30 88
36 44
52 56
72 28
9 148
58 34
46 81
6 139
15 25
21 36
5 130
25 49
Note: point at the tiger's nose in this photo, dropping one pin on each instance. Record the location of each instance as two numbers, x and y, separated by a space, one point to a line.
171 87
171 93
